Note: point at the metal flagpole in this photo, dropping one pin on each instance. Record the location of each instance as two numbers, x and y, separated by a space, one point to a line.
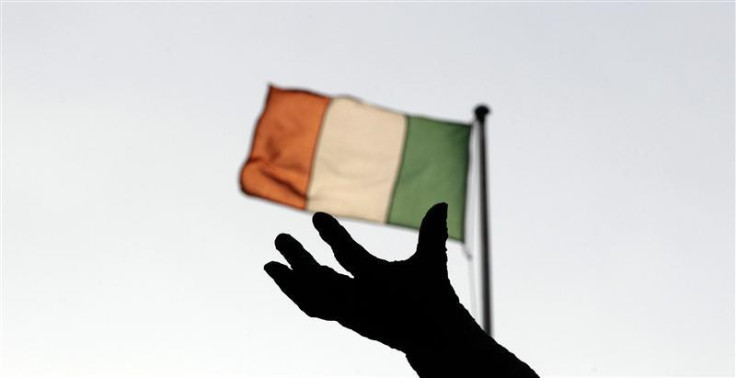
481 111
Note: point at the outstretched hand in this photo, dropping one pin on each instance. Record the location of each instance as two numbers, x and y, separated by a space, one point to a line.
391 302
408 305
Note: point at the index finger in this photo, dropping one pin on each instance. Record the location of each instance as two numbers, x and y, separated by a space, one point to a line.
351 255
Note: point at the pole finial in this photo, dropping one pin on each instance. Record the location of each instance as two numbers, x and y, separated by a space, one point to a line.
481 111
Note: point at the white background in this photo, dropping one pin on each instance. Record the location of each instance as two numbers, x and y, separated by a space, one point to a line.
128 250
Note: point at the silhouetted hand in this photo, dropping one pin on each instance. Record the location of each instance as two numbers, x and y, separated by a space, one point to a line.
408 305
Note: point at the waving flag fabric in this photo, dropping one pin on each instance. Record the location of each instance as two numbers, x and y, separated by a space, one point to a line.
349 158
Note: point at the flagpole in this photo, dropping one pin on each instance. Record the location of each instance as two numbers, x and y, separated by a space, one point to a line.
481 111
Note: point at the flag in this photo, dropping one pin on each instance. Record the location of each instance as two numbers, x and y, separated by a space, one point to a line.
349 158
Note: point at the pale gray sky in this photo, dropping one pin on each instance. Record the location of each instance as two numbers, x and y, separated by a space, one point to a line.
128 250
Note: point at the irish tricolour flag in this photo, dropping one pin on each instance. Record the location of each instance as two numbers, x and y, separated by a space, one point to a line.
349 158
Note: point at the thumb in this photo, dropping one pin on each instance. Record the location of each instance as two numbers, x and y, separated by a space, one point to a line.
433 234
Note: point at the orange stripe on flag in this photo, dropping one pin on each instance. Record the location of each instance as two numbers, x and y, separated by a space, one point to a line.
283 147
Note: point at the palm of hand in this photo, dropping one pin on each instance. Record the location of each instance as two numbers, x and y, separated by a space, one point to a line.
391 302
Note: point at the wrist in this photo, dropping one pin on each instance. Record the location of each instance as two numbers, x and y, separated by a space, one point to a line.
459 347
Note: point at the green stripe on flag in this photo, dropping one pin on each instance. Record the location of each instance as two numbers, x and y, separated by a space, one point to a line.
434 169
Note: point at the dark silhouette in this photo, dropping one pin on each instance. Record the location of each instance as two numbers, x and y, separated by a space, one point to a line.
408 305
